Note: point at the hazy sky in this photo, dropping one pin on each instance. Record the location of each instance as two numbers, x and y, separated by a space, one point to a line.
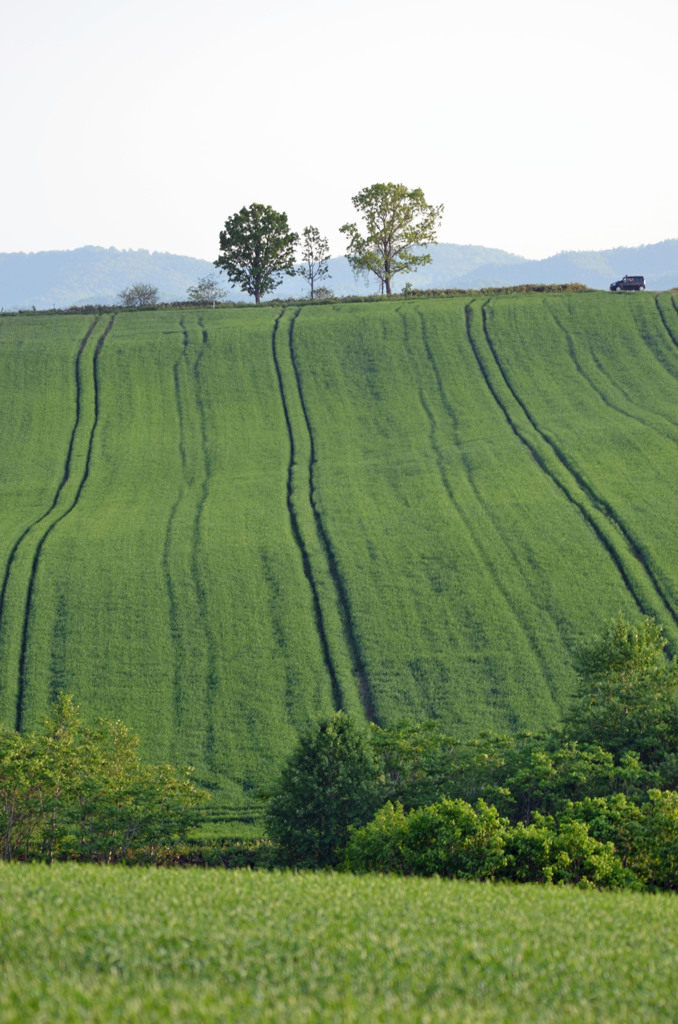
143 124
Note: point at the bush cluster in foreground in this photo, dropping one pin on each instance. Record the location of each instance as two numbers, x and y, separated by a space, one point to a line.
592 802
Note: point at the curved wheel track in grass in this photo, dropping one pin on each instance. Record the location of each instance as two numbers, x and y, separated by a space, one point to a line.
294 524
570 489
669 322
359 670
484 519
643 363
194 668
622 402
611 529
22 683
21 566
268 507
304 522
475 515
64 478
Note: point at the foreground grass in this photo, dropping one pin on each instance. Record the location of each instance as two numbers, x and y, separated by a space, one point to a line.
83 943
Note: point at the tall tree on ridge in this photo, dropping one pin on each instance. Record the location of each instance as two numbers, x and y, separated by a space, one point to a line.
396 220
257 249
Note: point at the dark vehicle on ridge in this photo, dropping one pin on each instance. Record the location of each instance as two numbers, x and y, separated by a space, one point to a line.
628 284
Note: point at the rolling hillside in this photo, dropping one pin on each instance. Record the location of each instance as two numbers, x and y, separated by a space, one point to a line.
217 525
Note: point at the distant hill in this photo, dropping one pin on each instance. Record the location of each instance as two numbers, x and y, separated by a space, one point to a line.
96 275
658 263
92 274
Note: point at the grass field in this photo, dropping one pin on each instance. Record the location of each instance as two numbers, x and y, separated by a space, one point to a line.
219 525
82 943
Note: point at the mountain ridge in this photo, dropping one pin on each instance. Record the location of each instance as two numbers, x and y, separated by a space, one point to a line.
95 275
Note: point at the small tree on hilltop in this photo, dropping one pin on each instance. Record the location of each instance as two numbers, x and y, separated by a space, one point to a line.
329 783
315 255
139 294
257 249
207 291
396 219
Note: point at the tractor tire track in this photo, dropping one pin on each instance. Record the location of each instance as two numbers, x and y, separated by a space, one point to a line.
469 522
172 590
669 364
343 602
193 640
598 502
296 531
200 588
662 316
583 504
64 478
41 543
636 417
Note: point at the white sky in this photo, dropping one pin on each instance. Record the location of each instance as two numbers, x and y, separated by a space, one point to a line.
542 125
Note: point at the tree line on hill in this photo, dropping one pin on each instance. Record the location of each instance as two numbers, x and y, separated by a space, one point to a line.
258 248
93 276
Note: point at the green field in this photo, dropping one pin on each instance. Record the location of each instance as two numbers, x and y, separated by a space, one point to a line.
82 943
217 525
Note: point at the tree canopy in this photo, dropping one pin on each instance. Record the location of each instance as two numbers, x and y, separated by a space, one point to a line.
396 220
257 249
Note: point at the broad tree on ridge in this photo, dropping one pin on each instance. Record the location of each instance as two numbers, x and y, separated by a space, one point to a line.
396 219
257 249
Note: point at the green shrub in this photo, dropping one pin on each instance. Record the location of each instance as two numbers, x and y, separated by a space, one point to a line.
656 854
628 688
328 784
451 839
82 792
565 854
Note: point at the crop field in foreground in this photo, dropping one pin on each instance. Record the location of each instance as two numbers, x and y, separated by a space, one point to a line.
217 525
82 943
